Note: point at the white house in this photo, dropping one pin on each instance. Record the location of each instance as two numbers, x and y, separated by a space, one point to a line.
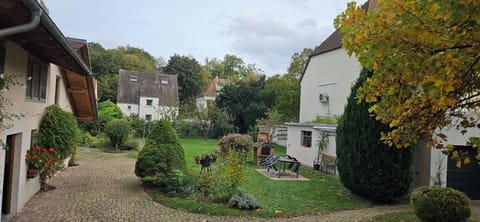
151 96
210 93
50 69
325 86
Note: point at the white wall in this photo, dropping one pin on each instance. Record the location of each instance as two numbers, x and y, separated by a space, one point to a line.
202 102
334 67
16 65
306 155
144 109
126 111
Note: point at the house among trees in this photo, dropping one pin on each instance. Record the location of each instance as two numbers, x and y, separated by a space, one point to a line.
325 86
210 93
50 69
150 96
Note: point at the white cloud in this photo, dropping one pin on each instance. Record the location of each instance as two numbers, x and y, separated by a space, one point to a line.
271 42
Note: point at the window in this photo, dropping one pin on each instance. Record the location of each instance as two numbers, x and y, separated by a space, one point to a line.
33 138
37 79
133 78
306 139
164 81
148 117
149 102
129 107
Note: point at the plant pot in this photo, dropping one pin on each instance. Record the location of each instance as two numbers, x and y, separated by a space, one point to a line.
31 173
197 159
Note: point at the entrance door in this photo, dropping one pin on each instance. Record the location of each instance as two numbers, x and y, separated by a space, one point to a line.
8 175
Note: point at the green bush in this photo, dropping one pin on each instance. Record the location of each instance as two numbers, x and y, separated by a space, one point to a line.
243 201
58 129
161 154
440 204
139 126
130 145
239 143
366 165
117 131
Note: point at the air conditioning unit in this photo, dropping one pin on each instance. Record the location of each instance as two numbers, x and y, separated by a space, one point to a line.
323 97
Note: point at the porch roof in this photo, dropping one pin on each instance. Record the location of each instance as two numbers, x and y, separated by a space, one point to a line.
47 42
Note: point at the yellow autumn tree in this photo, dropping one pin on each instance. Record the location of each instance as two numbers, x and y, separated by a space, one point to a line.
425 58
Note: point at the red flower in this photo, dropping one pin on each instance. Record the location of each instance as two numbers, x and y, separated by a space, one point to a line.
51 150
37 148
27 155
34 156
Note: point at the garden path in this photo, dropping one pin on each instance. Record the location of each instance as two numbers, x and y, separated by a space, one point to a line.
104 188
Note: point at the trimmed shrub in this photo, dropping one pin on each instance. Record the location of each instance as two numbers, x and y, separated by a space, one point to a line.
239 143
130 145
117 131
58 129
162 153
440 204
243 201
366 165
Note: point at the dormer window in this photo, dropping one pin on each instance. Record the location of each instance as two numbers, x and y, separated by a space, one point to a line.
149 102
164 81
133 78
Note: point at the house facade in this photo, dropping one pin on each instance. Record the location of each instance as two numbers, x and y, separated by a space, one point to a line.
50 69
325 86
151 96
210 93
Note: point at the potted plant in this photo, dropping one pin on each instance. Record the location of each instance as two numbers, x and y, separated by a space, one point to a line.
322 143
41 160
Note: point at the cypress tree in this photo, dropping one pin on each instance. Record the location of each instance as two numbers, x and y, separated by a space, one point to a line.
367 166
161 153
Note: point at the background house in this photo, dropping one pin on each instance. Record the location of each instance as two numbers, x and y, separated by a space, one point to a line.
151 96
49 71
325 86
210 93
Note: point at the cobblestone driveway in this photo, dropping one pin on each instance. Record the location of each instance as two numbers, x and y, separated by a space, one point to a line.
104 188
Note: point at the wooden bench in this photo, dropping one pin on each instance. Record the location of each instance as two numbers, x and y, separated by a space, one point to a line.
328 161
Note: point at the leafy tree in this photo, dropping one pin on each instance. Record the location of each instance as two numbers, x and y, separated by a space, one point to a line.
298 63
161 154
287 95
367 166
58 129
188 72
108 108
117 131
246 102
425 58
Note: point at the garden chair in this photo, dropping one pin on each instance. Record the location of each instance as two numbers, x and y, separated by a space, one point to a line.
270 162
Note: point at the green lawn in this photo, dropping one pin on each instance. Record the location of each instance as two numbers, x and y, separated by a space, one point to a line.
277 198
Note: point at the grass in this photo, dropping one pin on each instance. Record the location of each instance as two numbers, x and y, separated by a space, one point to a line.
277 198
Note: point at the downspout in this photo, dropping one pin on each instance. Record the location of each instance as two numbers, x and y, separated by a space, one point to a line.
36 13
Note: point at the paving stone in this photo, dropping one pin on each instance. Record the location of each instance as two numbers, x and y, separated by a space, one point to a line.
104 188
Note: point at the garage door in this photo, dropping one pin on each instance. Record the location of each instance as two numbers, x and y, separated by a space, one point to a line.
465 179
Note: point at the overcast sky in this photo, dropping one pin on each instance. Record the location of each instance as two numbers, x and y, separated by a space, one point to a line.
262 32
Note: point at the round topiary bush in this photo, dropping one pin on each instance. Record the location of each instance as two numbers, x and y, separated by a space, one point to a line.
240 143
161 154
117 131
440 204
366 165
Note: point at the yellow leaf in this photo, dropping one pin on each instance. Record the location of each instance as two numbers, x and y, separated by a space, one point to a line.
466 161
477 157
459 164
455 154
